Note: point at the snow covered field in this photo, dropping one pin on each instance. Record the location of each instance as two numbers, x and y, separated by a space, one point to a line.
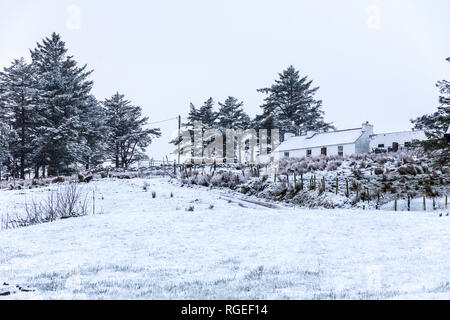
226 248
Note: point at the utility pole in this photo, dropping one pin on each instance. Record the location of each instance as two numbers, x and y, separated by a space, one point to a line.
179 139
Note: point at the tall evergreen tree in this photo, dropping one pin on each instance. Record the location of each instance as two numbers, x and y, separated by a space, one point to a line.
63 90
127 136
207 115
95 134
18 112
291 104
231 115
4 138
435 125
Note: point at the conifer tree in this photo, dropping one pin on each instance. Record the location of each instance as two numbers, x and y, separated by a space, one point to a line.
127 136
18 113
62 92
231 115
291 104
95 134
435 125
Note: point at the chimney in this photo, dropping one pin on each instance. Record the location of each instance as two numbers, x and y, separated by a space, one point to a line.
367 127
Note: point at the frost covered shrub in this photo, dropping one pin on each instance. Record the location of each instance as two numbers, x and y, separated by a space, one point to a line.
407 159
378 171
65 202
407 170
357 173
202 180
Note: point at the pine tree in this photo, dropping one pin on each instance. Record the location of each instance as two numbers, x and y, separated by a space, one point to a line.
290 104
436 124
206 115
127 137
18 113
4 138
95 134
62 92
231 115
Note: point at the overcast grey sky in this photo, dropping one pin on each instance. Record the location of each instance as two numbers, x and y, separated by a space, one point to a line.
373 60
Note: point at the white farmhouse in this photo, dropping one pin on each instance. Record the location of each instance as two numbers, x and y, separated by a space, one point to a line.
395 141
345 142
341 142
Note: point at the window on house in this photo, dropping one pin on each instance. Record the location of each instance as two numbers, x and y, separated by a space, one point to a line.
341 151
381 146
323 151
309 153
286 154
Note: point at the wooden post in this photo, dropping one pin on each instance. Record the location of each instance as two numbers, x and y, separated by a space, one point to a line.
93 202
287 177
179 139
315 182
446 202
424 203
337 185
409 203
395 204
275 176
295 181
357 191
347 192
301 181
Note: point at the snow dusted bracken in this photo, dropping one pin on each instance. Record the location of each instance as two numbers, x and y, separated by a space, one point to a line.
227 247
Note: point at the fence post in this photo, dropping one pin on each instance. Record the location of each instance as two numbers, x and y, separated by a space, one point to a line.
93 202
409 202
295 181
395 203
424 203
275 175
446 202
337 185
347 192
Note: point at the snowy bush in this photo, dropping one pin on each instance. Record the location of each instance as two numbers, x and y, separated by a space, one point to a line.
65 202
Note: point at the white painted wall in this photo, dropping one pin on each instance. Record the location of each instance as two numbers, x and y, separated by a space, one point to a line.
331 150
400 137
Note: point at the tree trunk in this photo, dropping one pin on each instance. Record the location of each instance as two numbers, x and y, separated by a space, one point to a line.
117 156
22 167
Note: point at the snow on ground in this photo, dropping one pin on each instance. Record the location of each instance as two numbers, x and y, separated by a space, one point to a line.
145 248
